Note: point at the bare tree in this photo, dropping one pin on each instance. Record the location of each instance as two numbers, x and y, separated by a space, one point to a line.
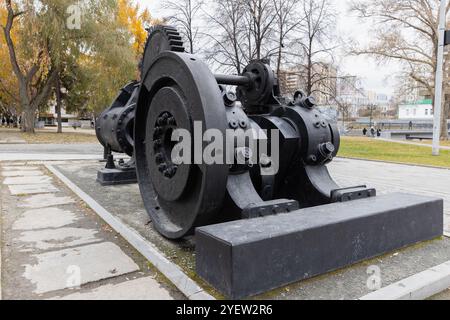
243 30
405 31
260 22
183 14
316 42
227 43
287 21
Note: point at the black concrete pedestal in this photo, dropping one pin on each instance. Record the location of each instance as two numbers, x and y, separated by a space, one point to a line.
107 177
248 257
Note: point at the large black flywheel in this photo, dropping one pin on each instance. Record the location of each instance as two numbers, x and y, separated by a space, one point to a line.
160 38
178 91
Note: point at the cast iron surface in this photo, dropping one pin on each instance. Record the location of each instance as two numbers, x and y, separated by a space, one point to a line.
177 90
115 125
160 38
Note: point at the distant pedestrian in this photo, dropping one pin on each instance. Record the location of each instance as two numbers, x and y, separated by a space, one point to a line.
410 125
3 121
372 131
364 131
379 133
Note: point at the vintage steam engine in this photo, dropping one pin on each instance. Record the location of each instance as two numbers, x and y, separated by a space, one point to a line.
261 219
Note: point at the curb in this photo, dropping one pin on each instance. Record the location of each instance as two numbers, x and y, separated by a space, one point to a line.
417 287
46 157
170 270
394 162
1 243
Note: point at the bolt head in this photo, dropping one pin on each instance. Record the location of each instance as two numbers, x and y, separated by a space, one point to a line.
265 161
329 147
310 102
233 124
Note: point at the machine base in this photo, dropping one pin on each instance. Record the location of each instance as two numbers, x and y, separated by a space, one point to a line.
108 177
249 257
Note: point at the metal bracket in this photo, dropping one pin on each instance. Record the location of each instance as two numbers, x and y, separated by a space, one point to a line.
352 193
269 208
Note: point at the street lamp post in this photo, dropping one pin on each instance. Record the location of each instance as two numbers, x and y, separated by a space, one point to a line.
439 78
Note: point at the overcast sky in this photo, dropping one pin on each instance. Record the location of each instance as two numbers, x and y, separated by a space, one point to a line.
375 78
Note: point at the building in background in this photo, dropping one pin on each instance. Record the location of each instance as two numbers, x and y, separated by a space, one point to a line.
49 117
417 110
324 79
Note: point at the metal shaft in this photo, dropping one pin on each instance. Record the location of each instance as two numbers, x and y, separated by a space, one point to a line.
232 80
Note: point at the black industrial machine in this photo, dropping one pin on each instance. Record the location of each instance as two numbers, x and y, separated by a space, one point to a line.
261 218
115 131
115 125
177 90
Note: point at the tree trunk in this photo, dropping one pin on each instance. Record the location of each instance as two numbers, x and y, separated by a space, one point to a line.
444 122
29 117
58 105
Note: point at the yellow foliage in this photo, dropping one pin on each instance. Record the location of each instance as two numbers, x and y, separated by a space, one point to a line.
8 81
135 20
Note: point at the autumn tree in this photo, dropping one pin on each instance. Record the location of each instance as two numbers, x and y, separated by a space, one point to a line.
8 85
405 31
30 66
83 65
136 21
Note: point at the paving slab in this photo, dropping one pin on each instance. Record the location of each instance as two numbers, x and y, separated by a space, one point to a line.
44 200
19 168
24 189
139 289
47 157
22 173
27 180
390 177
55 270
12 141
56 238
44 218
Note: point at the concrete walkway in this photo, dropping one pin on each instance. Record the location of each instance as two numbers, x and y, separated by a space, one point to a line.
388 178
50 152
54 248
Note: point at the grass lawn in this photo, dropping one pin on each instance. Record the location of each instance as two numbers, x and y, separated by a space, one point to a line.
372 149
443 143
64 138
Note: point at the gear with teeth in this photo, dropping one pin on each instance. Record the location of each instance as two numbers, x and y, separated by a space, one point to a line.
160 38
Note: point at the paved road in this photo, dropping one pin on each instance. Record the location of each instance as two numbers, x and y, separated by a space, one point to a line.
387 178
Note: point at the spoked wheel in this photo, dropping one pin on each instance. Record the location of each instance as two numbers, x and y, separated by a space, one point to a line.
178 91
